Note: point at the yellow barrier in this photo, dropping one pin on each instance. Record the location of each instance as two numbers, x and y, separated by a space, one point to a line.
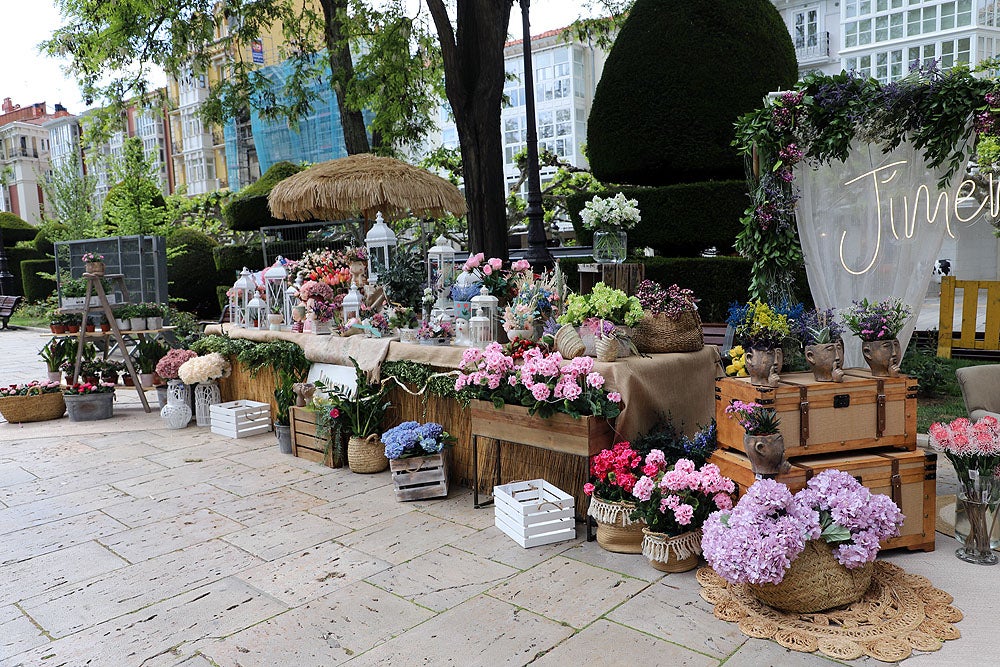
967 338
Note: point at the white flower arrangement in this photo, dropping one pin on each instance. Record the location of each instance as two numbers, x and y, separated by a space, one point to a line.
610 214
203 369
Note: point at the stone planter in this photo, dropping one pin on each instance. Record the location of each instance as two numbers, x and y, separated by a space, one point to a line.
766 454
154 322
284 436
883 357
763 366
90 407
137 323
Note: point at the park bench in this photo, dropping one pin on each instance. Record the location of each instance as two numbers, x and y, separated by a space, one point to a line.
8 304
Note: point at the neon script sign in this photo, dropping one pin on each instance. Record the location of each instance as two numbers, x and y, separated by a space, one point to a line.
903 212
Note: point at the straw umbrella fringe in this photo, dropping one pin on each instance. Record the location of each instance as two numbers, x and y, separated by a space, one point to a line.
364 185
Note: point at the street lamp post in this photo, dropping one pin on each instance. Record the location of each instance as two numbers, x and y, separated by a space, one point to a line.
538 251
6 277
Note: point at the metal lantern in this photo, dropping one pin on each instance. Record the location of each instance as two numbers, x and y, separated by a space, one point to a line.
380 241
441 269
291 300
352 304
481 328
256 313
488 306
244 289
275 280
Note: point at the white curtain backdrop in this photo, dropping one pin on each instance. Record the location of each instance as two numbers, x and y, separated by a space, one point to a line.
871 239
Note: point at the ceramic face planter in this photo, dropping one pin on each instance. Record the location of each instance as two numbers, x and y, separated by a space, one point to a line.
883 357
767 454
763 366
826 361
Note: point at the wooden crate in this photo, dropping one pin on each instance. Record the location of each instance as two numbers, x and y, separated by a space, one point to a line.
534 513
305 444
909 478
861 412
585 436
240 419
420 477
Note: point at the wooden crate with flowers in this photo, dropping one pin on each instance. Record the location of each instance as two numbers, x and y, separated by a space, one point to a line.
416 454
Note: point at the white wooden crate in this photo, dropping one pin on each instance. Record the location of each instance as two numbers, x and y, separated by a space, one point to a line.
240 419
534 513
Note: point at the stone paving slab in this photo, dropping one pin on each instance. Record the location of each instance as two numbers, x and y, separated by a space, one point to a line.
104 474
53 536
363 510
71 607
263 507
162 537
297 531
568 591
17 633
59 507
258 480
55 570
496 545
404 537
139 511
605 643
481 631
73 457
12 474
672 609
442 578
327 631
169 479
312 573
220 608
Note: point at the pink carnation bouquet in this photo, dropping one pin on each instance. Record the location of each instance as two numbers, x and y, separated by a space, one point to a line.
317 291
757 541
170 363
679 498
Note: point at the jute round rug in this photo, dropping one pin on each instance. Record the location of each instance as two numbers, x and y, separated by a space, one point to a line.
900 613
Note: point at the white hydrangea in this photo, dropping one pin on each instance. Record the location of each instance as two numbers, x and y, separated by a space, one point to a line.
610 214
202 369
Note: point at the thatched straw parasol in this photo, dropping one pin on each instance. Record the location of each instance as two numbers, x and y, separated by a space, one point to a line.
363 185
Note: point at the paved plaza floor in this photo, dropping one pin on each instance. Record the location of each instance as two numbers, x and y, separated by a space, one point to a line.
125 544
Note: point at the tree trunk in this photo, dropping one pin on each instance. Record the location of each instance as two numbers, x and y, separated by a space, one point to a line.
338 48
474 79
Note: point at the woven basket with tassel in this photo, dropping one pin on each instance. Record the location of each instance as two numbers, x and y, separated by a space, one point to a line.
659 333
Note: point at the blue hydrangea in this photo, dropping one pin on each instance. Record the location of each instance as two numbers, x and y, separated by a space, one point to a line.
413 439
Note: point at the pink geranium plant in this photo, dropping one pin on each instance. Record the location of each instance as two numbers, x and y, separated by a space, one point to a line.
544 383
614 472
759 539
676 499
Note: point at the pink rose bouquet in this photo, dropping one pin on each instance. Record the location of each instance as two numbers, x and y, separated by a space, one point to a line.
676 499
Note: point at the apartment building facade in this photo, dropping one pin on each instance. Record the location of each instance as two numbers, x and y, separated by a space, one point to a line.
883 39
24 159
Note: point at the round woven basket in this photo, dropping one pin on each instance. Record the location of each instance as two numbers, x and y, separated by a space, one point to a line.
615 531
569 344
366 455
672 553
814 582
607 349
21 409
659 333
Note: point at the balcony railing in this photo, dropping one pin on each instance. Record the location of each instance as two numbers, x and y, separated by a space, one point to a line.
813 52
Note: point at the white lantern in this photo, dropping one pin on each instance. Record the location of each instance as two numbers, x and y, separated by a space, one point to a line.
487 306
291 300
380 241
480 328
275 279
352 304
256 314
441 269
244 289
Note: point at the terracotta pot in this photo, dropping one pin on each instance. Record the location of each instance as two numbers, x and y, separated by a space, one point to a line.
883 357
58 328
826 361
763 366
105 326
90 328
72 328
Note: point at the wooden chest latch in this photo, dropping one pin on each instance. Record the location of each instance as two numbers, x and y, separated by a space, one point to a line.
803 417
896 484
880 410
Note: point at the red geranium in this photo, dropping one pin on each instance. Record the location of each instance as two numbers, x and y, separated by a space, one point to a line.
614 472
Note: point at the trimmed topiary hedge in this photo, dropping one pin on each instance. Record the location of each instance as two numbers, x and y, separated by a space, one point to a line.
15 229
35 287
48 233
248 209
230 259
192 273
716 281
677 78
677 220
15 260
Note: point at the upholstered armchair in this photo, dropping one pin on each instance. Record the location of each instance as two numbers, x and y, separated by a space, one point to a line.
980 390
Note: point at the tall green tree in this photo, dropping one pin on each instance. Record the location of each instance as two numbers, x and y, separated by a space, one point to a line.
69 200
135 204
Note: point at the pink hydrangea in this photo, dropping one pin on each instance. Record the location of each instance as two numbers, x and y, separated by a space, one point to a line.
643 489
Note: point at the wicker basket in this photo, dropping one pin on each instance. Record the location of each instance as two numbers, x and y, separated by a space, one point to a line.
615 531
814 582
672 553
366 455
569 344
40 408
607 349
659 333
